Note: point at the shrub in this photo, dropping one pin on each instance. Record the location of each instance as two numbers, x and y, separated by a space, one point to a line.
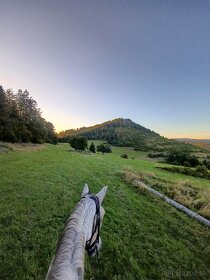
181 158
207 164
186 164
103 149
124 156
202 169
155 155
78 143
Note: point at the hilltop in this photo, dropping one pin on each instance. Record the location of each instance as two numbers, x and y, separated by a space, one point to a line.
126 133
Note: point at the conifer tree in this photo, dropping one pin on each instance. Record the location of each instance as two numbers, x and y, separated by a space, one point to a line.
21 120
92 148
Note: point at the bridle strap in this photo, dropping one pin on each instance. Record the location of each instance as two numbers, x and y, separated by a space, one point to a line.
91 245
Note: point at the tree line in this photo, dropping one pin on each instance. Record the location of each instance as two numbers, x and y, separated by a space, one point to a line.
186 160
80 143
21 120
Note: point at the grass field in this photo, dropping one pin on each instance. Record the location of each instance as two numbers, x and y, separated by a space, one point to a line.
143 237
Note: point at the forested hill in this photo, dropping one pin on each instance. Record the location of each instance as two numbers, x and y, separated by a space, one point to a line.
21 120
124 132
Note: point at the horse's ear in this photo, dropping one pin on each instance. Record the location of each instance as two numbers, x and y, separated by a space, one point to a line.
85 190
102 194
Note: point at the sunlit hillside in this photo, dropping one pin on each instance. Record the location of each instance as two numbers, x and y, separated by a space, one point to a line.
126 133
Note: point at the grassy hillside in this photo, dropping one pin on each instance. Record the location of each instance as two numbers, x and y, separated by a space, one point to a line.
143 237
125 133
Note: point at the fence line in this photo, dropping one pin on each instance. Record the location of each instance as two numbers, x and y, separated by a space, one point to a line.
175 204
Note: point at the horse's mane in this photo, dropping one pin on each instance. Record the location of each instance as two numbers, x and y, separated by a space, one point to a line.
68 261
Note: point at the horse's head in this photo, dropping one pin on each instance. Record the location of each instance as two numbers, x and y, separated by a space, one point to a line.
93 242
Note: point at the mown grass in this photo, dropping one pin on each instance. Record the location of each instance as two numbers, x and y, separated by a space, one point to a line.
143 237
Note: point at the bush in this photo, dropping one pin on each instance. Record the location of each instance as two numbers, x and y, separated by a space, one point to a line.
186 164
124 156
103 149
183 159
202 169
78 143
207 164
155 155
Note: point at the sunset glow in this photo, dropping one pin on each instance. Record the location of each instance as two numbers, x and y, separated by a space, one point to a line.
92 61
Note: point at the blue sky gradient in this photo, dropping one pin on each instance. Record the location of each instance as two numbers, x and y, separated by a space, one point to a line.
86 62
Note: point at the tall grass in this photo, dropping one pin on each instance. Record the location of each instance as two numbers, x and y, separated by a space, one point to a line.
182 191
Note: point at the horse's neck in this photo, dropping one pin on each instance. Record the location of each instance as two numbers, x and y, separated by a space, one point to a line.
68 262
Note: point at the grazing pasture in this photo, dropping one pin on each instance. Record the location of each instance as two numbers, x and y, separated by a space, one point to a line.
143 237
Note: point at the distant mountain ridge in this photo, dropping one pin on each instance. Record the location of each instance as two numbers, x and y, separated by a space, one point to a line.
126 133
204 143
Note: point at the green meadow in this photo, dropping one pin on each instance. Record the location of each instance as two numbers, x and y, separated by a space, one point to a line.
143 237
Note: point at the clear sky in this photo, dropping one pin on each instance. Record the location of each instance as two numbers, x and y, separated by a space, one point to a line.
86 62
